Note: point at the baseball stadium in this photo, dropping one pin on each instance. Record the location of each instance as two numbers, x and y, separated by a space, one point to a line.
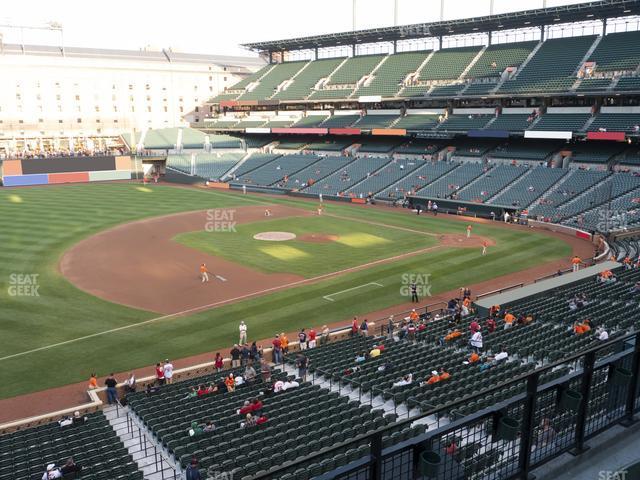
399 252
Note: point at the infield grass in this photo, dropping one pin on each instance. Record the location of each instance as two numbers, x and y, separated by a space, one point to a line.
38 224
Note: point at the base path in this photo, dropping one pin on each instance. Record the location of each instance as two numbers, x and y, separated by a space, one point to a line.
139 265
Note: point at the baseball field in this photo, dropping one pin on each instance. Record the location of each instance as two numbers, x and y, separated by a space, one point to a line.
105 277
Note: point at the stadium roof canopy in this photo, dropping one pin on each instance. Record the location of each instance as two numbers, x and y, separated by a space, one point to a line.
504 21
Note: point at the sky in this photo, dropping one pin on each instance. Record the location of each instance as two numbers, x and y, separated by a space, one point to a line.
220 26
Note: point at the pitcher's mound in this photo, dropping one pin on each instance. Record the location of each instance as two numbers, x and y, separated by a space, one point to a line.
318 238
274 236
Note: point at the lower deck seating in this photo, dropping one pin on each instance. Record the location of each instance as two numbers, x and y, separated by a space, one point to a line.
424 175
452 182
342 180
93 445
272 172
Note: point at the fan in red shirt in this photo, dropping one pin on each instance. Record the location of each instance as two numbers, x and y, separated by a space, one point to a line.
311 338
159 373
491 325
474 326
354 326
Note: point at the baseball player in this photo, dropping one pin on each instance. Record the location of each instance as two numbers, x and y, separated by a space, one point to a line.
204 273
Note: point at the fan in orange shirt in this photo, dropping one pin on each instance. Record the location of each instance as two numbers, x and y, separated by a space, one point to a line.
575 262
452 335
434 378
474 357
93 382
413 316
509 318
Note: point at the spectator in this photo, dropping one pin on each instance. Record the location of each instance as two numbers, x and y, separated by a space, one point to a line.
473 358
324 336
302 363
159 374
168 371
193 392
302 339
281 386
209 427
193 472
406 380
235 356
218 363
354 327
249 373
151 389
93 382
390 327
602 334
202 390
195 430
474 326
311 343
375 352
360 357
130 383
502 355
256 352
575 263
277 349
71 467
256 405
476 342
635 289
284 341
112 392
491 325
509 318
245 355
434 378
443 375
249 421
230 382
243 333
246 408
581 328
52 472
265 370
364 327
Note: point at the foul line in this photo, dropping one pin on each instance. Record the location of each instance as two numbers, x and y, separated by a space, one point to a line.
224 302
326 297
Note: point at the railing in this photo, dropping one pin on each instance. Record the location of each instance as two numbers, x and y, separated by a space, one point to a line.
500 290
150 449
431 308
515 435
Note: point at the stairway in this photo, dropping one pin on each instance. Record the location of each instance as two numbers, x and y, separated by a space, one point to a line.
472 63
154 461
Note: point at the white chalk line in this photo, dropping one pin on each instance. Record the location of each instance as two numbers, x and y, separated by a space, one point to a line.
328 297
224 302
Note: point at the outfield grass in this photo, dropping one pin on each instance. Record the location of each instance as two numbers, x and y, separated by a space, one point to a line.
39 224
357 244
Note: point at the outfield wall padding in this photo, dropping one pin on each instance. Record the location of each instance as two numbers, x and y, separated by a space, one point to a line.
109 175
77 177
24 180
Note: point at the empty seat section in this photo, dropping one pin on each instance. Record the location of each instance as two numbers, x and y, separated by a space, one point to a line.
563 122
315 172
388 79
425 174
268 84
346 77
494 180
386 176
464 122
552 67
617 51
302 85
530 187
513 122
496 58
615 122
343 179
451 183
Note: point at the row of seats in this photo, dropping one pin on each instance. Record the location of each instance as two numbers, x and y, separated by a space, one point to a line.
576 122
93 445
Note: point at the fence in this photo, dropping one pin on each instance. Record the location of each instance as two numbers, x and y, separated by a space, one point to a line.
503 440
